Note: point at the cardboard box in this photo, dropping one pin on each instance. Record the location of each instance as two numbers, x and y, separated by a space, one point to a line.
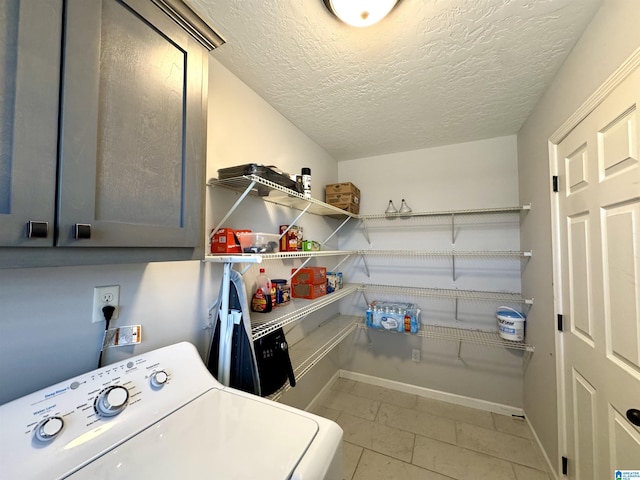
226 241
347 206
346 187
310 275
343 195
306 290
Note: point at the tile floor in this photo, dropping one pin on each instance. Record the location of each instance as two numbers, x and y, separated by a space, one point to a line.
395 435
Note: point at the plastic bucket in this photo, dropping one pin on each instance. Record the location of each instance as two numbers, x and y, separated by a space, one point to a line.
510 324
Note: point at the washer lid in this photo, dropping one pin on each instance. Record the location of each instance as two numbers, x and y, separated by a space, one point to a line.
218 435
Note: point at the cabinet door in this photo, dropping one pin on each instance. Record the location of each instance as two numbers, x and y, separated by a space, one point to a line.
30 38
131 144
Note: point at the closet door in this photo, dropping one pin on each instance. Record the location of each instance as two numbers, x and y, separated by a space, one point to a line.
599 211
30 38
132 128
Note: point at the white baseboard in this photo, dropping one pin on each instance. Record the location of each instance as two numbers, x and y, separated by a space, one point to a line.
434 394
551 469
313 403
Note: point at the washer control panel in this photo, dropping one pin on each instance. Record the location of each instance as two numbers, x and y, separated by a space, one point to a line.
60 428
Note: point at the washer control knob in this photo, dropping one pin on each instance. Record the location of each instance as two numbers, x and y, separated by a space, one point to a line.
159 378
111 401
49 428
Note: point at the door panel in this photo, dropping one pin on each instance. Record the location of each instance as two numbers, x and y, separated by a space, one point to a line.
622 296
618 145
579 276
30 37
131 138
585 427
625 442
599 212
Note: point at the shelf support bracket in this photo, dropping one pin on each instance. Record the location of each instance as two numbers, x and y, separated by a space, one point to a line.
366 230
366 265
336 230
235 205
300 267
459 349
456 314
453 259
295 221
346 257
453 229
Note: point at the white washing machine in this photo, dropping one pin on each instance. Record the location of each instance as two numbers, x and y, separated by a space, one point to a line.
162 415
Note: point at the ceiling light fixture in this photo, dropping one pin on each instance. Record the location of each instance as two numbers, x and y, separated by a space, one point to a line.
360 13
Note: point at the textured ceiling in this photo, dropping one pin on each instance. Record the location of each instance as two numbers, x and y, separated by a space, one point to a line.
434 72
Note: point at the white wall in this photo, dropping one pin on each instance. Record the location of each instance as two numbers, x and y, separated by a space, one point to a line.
472 175
610 38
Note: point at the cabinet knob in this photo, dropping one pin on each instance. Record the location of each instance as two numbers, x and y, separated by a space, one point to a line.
37 229
82 230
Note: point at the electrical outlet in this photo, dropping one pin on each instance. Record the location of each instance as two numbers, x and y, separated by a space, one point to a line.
415 355
103 296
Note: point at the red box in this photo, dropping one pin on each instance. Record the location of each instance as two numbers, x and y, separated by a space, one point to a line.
225 241
306 290
310 275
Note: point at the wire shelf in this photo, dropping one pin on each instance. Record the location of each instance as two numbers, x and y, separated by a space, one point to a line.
447 213
315 346
445 293
443 253
475 337
265 323
274 193
276 255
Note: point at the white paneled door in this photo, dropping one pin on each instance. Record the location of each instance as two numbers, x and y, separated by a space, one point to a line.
599 224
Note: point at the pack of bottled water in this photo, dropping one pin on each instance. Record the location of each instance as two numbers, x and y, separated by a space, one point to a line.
393 316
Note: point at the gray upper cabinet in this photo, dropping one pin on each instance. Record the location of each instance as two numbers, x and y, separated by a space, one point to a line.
132 128
30 33
102 130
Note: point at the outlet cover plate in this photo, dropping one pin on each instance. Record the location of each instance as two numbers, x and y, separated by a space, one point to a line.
103 296
415 355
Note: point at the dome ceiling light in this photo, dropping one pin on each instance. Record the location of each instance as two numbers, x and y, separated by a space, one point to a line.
360 13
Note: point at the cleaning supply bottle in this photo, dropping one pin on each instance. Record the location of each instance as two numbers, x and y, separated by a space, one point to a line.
264 298
306 182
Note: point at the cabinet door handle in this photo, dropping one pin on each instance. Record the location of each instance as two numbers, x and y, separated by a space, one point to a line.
82 231
37 229
634 416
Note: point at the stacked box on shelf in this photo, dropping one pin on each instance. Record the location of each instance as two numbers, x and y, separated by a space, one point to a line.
309 282
343 195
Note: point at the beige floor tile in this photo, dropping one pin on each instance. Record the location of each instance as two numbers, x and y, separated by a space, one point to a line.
526 473
374 466
385 395
455 412
350 457
375 436
326 412
459 463
346 402
498 444
513 425
420 423
343 385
